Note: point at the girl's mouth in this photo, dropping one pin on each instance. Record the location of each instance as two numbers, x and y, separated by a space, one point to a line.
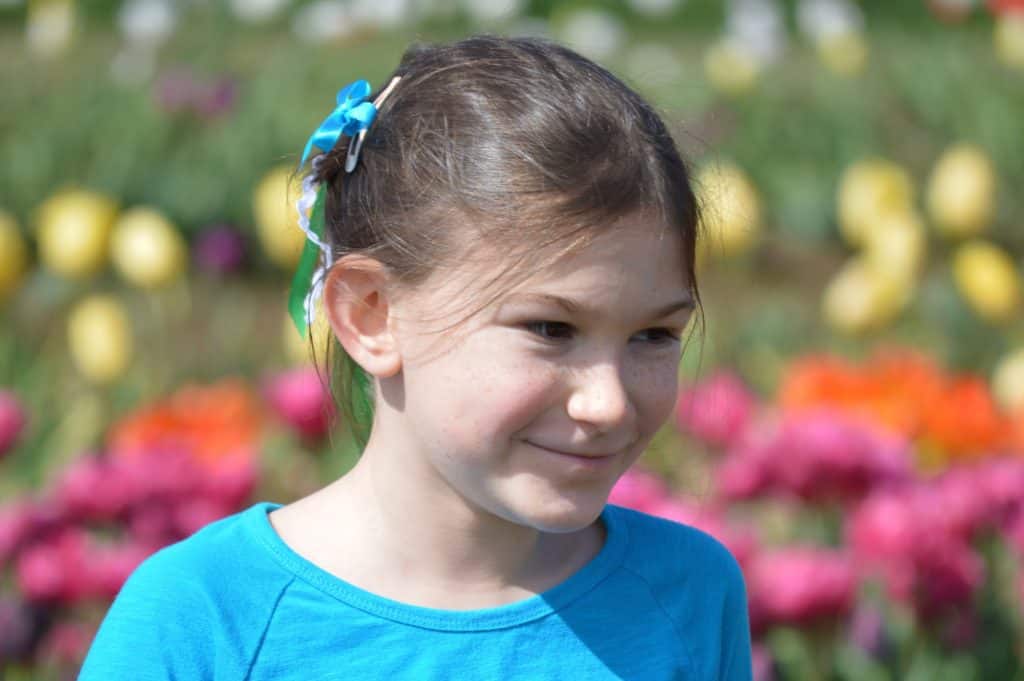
586 459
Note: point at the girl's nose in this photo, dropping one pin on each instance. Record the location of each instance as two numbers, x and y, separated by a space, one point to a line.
601 399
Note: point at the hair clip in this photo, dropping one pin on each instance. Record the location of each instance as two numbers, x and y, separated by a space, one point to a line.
352 116
355 145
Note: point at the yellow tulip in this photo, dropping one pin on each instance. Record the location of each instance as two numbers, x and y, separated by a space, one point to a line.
988 280
961 191
73 230
147 249
730 209
1009 39
868 190
729 68
49 27
276 218
845 53
896 247
13 255
861 298
1008 381
99 338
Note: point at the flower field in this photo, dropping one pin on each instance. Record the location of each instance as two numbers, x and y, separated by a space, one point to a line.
850 422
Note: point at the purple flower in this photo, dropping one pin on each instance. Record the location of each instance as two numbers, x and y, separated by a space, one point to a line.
220 249
762 663
867 630
22 625
212 100
173 90
180 91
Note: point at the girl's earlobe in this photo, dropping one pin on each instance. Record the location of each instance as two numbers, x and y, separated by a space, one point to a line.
358 308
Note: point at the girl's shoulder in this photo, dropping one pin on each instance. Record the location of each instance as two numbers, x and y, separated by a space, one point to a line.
697 584
207 598
222 562
664 551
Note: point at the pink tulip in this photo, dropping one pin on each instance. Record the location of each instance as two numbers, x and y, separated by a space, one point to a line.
301 401
823 455
1000 485
25 520
232 486
949 574
1014 533
51 571
165 473
638 489
798 585
748 470
192 515
961 510
108 567
89 489
12 421
817 456
716 410
153 524
904 537
15 526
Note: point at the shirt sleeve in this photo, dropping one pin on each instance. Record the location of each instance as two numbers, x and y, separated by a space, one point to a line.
158 627
736 654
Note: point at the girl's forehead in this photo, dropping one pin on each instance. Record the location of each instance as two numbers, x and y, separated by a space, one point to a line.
635 253
634 262
635 248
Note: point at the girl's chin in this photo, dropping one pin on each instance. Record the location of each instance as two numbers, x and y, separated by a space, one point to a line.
563 515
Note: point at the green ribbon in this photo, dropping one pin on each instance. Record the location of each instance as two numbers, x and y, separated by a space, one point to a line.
302 282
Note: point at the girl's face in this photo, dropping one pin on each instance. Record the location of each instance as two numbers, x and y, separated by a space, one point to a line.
534 407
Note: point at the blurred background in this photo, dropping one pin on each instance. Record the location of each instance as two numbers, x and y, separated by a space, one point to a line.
851 420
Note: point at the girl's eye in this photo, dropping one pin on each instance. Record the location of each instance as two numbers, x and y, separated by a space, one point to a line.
551 330
658 336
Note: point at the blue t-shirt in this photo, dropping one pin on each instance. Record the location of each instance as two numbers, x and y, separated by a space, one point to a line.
660 601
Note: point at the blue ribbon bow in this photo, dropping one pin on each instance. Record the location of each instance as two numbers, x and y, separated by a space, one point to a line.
352 115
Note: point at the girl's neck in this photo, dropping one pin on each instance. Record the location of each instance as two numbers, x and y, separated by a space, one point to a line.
391 529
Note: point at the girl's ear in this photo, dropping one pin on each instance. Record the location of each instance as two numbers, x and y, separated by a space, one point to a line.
358 308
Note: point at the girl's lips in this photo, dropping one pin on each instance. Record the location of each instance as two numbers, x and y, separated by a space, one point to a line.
573 455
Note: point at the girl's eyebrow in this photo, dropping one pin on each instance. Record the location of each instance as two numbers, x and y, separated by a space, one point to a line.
573 306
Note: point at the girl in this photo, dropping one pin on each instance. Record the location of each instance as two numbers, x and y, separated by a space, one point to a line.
509 265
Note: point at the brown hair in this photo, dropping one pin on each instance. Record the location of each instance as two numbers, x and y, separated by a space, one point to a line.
531 147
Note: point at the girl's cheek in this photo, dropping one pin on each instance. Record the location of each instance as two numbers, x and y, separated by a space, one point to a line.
657 388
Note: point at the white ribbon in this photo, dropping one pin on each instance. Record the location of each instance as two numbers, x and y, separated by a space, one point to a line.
304 205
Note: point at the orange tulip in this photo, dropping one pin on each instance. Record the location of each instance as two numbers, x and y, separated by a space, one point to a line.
218 424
